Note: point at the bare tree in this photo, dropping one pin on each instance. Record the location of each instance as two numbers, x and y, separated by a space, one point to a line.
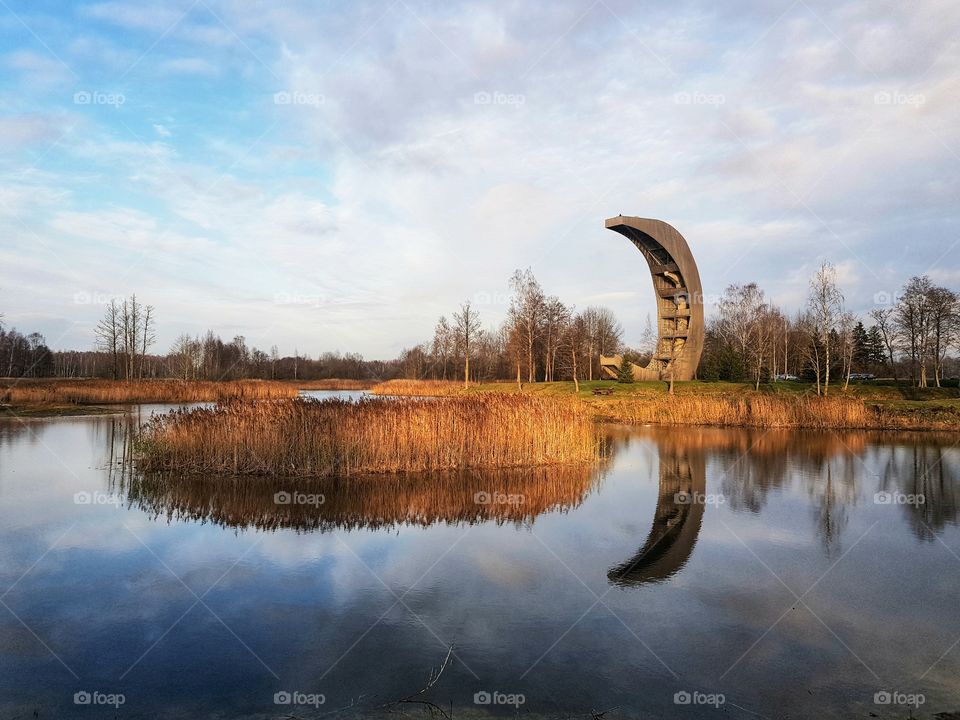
517 349
749 325
148 335
527 309
573 341
846 345
811 350
648 341
466 327
913 318
443 342
556 315
944 311
108 333
825 304
590 319
887 327
185 351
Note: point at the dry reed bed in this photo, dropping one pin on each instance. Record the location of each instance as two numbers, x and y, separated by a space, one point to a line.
92 392
759 410
332 438
418 388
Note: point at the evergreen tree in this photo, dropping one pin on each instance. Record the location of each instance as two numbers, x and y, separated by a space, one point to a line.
861 348
876 350
625 374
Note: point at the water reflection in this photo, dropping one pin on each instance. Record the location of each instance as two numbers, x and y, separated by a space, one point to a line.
835 470
830 467
516 496
928 470
676 522
311 591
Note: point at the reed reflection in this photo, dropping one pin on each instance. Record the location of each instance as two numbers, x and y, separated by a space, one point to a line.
836 470
515 496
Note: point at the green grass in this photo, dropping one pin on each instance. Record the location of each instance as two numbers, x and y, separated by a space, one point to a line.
885 391
42 411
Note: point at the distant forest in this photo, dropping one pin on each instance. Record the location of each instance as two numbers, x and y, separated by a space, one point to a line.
911 335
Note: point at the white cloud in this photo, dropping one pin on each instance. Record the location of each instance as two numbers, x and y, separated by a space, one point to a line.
400 194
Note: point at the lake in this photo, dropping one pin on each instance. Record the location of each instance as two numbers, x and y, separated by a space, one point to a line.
697 571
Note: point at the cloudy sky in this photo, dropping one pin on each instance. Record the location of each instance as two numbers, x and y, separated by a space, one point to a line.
337 175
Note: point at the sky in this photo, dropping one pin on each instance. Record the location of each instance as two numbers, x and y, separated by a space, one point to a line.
335 176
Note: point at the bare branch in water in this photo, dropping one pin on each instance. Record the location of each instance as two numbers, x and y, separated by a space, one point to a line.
416 698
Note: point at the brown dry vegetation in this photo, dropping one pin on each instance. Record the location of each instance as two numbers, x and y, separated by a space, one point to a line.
308 438
766 410
727 404
104 392
418 388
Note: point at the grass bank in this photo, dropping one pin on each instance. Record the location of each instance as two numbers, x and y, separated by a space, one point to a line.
423 388
305 438
331 384
894 406
111 392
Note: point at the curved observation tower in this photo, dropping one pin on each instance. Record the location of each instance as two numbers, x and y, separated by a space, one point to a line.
676 285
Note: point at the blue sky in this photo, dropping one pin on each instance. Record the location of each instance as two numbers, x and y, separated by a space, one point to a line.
336 175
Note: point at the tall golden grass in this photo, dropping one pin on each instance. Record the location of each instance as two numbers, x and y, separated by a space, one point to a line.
93 392
419 388
331 438
757 410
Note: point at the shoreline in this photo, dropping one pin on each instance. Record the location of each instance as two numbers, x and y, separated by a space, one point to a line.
705 404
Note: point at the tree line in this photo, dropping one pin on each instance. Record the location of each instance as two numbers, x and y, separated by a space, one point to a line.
911 336
542 339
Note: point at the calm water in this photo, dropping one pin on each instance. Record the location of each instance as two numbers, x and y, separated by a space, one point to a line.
783 589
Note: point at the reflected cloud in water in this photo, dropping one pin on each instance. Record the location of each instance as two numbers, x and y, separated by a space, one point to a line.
506 565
